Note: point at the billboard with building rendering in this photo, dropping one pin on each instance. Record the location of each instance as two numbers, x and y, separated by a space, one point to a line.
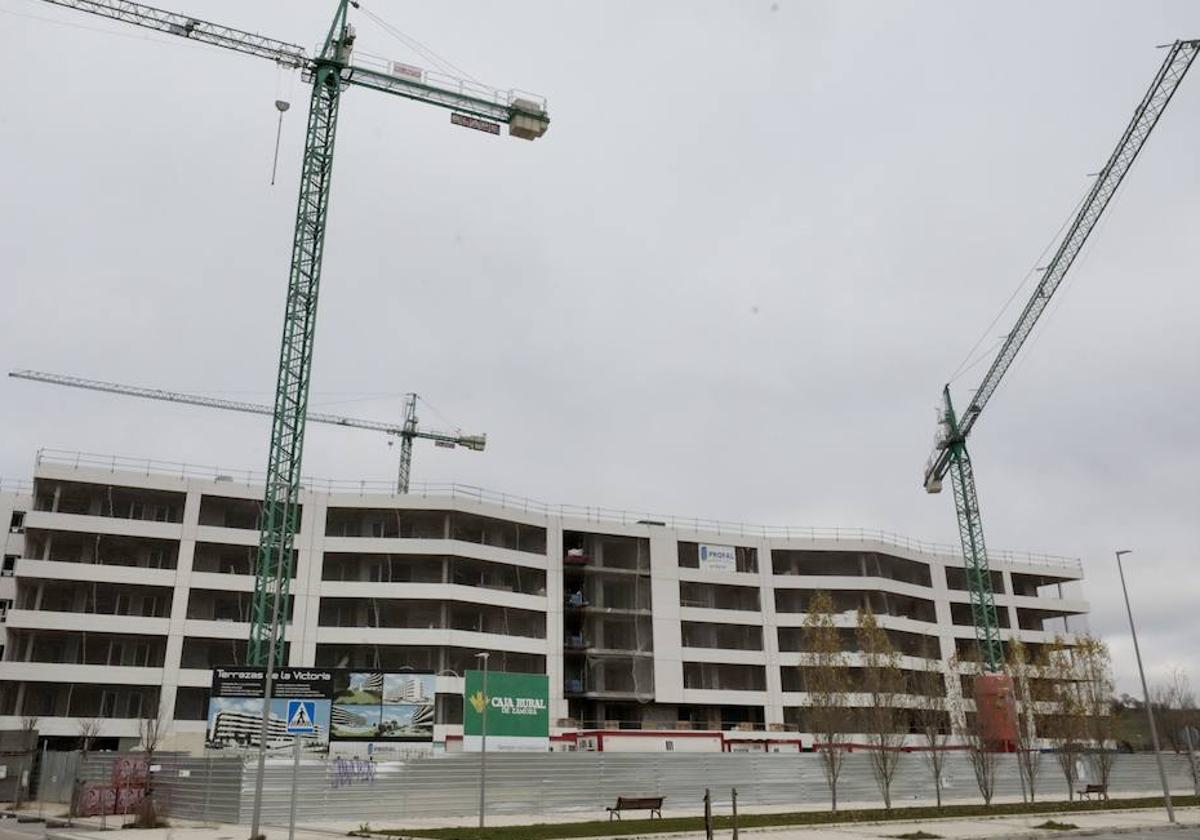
349 705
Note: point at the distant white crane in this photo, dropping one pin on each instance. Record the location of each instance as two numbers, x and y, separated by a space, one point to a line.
407 431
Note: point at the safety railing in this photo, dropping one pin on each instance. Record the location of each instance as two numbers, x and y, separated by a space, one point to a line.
576 513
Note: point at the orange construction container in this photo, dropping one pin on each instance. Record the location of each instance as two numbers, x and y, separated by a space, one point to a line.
996 703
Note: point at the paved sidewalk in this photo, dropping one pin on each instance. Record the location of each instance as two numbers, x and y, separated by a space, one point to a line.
992 828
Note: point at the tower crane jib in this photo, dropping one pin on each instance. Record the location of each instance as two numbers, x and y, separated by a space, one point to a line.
950 451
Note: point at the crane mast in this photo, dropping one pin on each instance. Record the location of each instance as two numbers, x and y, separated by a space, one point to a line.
329 72
950 451
282 491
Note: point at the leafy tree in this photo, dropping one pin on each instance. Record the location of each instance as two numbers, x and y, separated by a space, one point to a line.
884 688
1093 666
1024 673
825 684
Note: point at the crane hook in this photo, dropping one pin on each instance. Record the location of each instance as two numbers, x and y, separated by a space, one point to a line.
281 105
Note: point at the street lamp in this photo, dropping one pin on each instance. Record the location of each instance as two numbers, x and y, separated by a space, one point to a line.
1162 773
483 737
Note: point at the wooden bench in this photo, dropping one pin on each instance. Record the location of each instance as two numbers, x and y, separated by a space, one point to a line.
1088 791
653 804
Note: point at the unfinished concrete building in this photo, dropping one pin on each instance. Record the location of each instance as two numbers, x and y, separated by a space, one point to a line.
124 583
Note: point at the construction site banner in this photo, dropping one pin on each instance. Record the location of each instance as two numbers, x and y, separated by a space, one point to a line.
518 712
717 558
345 704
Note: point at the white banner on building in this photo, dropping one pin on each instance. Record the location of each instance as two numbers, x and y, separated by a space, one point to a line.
718 558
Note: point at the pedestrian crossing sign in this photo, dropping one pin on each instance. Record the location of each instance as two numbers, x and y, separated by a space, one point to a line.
301 715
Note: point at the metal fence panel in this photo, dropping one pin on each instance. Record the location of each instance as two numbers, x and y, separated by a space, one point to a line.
221 789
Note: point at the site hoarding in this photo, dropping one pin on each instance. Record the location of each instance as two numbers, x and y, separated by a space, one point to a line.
347 705
717 558
518 711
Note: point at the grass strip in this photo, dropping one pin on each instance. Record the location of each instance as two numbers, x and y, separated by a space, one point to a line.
624 828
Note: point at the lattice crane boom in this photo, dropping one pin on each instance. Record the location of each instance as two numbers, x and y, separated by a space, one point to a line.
1170 74
950 451
407 431
185 26
330 71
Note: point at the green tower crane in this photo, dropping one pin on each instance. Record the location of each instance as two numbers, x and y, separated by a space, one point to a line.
330 72
950 449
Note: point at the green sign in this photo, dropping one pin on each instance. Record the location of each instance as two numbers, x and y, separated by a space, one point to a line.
517 706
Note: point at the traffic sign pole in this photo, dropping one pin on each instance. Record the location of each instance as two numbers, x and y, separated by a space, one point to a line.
301 720
295 778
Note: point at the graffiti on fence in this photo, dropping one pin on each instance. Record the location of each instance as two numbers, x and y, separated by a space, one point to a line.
102 799
349 771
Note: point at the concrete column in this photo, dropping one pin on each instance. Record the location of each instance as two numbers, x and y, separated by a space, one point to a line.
664 609
310 562
179 601
946 644
555 669
773 711
1013 624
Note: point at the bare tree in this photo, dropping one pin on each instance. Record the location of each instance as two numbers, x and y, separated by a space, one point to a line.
89 729
1064 725
1024 673
150 731
980 751
884 687
1187 721
1175 706
825 684
1096 687
28 730
932 716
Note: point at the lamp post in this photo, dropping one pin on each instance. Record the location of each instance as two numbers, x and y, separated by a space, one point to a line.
1162 773
483 738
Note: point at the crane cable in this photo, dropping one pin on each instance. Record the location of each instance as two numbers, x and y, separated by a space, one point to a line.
421 49
966 362
457 428
1054 305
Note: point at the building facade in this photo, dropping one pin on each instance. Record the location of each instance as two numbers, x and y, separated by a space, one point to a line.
129 581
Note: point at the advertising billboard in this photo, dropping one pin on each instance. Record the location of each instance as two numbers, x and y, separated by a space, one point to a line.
517 707
340 705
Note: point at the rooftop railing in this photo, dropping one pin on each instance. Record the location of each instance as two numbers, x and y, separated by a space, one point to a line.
589 514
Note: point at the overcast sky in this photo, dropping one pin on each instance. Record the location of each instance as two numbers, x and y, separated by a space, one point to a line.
729 282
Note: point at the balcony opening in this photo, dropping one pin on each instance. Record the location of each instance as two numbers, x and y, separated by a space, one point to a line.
698 634
219 605
715 676
956 579
846 603
608 551
99 598
244 514
850 564
219 558
458 660
86 499
102 549
962 616
718 596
